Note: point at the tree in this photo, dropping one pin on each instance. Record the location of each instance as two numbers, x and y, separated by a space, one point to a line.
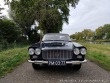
8 31
99 33
50 14
103 32
73 36
87 34
106 30
51 22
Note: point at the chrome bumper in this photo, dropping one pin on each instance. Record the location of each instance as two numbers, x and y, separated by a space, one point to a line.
67 62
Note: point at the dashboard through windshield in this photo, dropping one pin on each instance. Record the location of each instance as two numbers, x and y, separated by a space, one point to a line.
56 37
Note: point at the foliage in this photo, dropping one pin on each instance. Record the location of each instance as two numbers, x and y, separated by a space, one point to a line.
51 21
86 34
9 59
49 14
34 37
8 31
102 33
10 35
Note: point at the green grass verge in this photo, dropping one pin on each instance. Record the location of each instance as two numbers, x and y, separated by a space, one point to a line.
9 59
100 54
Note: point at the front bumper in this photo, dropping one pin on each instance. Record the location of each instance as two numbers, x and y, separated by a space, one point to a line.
67 62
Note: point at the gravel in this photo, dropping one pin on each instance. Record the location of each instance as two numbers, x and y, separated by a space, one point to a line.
89 73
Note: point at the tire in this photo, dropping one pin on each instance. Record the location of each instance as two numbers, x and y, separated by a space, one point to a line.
77 67
36 66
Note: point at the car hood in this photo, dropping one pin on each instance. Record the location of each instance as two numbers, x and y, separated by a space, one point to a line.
54 45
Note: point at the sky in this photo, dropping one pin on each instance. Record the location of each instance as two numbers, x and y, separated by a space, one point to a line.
5 11
88 14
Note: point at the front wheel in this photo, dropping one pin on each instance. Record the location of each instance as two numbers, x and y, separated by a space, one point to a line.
36 66
77 67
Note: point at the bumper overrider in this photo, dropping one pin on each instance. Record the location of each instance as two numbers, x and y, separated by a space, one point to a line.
67 62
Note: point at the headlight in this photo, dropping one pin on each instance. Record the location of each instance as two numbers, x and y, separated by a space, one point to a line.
37 51
31 51
83 51
76 51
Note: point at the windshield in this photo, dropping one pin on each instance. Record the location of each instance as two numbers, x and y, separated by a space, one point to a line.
56 37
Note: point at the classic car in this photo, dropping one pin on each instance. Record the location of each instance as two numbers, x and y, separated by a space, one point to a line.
56 49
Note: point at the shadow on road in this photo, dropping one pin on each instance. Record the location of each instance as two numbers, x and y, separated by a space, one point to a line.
58 69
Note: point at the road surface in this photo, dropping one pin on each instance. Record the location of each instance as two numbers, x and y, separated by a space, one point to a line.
89 73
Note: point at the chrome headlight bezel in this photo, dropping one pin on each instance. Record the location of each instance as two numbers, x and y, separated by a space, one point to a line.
37 51
83 51
31 51
76 51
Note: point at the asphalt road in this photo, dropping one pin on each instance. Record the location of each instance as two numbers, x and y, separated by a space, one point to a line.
89 73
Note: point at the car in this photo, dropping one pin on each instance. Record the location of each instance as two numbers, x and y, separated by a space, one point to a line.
57 49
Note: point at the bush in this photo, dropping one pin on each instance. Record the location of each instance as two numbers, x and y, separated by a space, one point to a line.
8 31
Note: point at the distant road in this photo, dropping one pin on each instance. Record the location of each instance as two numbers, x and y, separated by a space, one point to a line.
89 73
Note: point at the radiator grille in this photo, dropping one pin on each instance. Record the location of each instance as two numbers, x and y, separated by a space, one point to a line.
57 54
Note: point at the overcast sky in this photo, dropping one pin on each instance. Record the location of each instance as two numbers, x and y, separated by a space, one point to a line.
4 6
88 14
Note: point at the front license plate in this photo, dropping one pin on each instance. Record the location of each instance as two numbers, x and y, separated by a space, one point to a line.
57 63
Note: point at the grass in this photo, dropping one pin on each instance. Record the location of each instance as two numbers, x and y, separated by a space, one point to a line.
9 59
100 54
7 46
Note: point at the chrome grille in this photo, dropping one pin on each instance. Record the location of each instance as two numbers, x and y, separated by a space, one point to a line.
57 54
